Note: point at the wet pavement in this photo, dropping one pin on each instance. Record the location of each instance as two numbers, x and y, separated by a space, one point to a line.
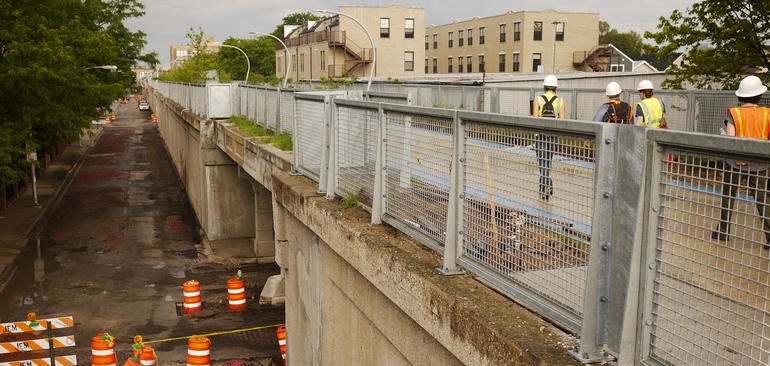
116 250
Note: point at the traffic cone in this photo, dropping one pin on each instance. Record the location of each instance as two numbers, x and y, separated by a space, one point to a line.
103 350
198 353
192 296
281 333
148 357
236 293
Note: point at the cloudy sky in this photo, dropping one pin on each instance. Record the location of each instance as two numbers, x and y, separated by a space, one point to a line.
167 21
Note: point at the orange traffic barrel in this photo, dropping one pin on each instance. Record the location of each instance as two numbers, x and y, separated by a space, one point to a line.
113 117
103 350
198 353
148 356
192 296
236 294
281 333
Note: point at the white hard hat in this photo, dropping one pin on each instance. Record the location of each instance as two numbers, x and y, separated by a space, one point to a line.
645 85
613 88
750 86
551 80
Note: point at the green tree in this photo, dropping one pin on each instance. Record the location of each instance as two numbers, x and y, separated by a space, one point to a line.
194 70
722 41
294 19
630 43
261 53
50 87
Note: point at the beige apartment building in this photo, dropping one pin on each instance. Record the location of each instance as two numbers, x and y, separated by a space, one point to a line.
338 46
181 53
546 41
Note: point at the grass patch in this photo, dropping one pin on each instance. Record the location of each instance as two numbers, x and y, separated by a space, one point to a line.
349 201
282 141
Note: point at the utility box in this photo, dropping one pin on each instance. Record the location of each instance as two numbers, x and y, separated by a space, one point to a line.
218 103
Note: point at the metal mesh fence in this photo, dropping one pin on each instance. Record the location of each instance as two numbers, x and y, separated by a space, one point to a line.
528 207
271 114
710 296
515 102
357 131
309 136
418 159
287 110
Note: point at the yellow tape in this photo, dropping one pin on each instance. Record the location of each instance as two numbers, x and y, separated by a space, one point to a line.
215 333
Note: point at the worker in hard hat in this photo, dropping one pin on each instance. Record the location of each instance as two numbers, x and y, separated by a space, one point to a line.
614 110
747 121
547 105
650 111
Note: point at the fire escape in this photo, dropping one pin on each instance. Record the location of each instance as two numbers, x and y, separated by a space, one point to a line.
356 56
597 59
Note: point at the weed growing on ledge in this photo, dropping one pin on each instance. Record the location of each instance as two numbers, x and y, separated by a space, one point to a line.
349 201
282 141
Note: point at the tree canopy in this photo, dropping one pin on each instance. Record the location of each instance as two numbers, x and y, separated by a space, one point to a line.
53 71
722 41
630 43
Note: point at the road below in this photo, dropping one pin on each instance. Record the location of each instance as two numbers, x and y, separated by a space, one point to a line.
117 249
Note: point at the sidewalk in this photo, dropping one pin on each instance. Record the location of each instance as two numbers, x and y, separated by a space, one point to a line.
23 219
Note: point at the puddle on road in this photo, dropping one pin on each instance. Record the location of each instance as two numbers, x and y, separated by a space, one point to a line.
27 285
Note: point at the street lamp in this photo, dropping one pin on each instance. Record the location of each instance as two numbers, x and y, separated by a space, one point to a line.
555 29
285 50
248 63
374 50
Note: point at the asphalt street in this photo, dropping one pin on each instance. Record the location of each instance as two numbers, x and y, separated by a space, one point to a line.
116 249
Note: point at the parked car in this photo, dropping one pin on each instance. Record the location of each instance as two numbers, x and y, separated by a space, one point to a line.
144 106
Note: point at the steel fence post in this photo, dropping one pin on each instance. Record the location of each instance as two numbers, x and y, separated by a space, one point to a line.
454 220
378 191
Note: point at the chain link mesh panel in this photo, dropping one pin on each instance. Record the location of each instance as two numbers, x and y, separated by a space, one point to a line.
357 131
309 135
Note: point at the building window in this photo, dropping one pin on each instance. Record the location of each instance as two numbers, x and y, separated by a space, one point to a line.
426 65
302 62
559 31
181 53
449 65
517 31
537 60
384 27
409 28
460 38
617 68
501 62
469 61
409 61
481 35
460 64
538 33
516 63
435 41
502 32
451 36
435 66
426 41
470 37
323 60
481 64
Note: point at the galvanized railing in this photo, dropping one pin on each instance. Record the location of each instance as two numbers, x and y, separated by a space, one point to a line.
603 229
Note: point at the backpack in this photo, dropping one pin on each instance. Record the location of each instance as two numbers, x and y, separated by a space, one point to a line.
548 109
617 112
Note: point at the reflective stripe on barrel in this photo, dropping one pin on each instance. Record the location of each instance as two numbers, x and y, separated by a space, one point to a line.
192 296
103 350
198 351
236 294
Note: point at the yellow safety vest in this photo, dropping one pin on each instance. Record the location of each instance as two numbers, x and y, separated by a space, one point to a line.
652 109
556 103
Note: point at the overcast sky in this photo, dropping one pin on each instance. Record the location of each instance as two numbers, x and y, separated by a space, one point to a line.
167 21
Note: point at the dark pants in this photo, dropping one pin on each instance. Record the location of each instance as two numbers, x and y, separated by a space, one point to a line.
757 183
545 146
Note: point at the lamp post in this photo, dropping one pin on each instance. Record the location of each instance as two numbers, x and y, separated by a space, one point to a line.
555 28
248 63
374 50
285 50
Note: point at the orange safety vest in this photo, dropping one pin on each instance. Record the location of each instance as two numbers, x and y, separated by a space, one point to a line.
751 122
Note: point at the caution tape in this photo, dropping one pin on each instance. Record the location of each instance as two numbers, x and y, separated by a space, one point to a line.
214 333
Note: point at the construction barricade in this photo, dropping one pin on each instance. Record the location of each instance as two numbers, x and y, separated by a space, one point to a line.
192 296
236 293
281 333
198 351
33 342
103 350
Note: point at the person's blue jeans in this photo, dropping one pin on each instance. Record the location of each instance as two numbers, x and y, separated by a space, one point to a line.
545 146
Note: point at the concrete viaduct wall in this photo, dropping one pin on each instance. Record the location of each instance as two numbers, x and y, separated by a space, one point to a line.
355 294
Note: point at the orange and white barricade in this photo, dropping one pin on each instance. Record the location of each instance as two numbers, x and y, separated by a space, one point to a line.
281 333
148 357
17 348
103 350
192 296
236 294
198 351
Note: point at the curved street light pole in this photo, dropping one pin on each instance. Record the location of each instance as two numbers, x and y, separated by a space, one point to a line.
374 50
285 50
248 63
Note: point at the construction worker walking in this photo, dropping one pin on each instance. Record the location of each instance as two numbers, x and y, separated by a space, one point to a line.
547 105
614 110
650 111
748 121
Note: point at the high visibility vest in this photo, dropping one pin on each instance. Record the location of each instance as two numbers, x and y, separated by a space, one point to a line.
751 122
541 101
652 109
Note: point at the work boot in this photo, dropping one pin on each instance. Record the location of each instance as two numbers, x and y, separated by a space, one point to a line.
721 236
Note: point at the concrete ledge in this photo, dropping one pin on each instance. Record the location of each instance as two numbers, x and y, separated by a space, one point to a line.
477 325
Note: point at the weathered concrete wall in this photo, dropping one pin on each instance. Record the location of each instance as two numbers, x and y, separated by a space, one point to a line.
365 295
